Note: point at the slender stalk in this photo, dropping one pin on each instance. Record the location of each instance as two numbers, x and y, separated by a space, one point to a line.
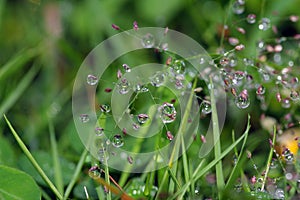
56 164
216 136
33 161
76 174
269 159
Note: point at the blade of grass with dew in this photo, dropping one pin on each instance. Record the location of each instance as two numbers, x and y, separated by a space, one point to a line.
32 160
234 170
17 92
217 142
76 174
184 160
106 172
269 159
149 183
56 164
200 172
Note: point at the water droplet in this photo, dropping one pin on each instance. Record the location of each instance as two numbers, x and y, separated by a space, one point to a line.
84 118
264 24
224 61
142 118
99 131
148 40
167 112
157 79
178 84
140 88
289 176
178 67
123 86
117 141
260 90
294 95
202 61
169 135
242 101
92 80
102 154
135 126
105 108
286 103
248 62
126 68
238 8
251 18
279 194
205 107
94 172
129 159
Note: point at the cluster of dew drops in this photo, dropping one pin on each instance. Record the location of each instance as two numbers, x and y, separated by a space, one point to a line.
239 82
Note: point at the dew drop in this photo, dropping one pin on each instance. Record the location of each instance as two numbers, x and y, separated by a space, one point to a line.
170 136
126 68
99 131
264 24
178 67
140 88
105 108
123 86
279 194
117 141
178 84
286 103
167 112
238 8
157 79
84 118
92 80
205 107
251 18
224 61
294 95
102 154
142 118
242 101
94 172
260 90
148 40
135 126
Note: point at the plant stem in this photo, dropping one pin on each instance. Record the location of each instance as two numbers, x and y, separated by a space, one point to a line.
33 161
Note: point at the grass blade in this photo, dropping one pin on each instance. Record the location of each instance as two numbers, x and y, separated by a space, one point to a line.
16 93
56 164
33 161
76 174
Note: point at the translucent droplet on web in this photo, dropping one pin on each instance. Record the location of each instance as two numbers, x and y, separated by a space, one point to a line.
242 101
105 108
167 112
84 118
99 131
148 40
102 154
169 135
264 24
142 118
178 84
251 18
157 79
202 61
248 62
224 61
140 88
294 95
205 107
135 126
279 194
178 67
238 8
126 68
286 103
92 80
260 90
117 141
123 86
94 172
